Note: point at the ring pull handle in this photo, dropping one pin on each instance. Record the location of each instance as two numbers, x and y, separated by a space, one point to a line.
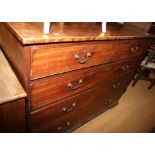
71 86
132 50
125 68
60 128
117 85
65 109
77 57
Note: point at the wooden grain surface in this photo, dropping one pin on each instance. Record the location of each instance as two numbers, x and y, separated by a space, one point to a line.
14 52
89 103
124 48
58 58
10 88
32 32
92 99
54 88
12 116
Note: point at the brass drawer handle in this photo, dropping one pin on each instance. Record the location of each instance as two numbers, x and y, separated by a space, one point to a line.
70 85
125 68
77 57
117 85
133 49
65 109
108 102
63 128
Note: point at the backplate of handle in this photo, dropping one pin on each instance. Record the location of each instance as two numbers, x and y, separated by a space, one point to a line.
77 57
134 49
68 109
125 68
116 85
64 127
71 86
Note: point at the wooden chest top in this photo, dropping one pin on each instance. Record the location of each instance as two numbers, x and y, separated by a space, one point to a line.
32 32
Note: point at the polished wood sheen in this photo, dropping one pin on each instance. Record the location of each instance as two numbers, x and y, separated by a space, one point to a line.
32 33
46 91
129 48
54 59
12 99
14 52
75 72
12 116
10 87
72 121
83 101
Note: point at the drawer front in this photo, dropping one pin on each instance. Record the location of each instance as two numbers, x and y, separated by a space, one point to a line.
82 115
58 87
122 67
129 48
76 103
58 58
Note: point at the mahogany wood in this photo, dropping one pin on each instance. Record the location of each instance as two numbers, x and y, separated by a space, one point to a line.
46 91
88 112
32 32
12 99
10 87
12 116
58 58
95 95
48 71
129 48
14 52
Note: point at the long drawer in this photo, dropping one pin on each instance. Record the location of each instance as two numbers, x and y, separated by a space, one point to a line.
58 58
58 87
129 48
83 114
94 98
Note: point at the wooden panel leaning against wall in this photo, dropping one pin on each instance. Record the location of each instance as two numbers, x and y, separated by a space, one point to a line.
14 52
12 99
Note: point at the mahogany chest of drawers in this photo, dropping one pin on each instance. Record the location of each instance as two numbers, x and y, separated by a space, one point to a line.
69 83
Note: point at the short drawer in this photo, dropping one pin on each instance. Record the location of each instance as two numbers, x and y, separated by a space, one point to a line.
121 67
58 58
129 48
55 88
87 110
77 103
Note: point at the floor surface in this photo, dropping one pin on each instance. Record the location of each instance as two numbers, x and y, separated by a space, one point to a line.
134 113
